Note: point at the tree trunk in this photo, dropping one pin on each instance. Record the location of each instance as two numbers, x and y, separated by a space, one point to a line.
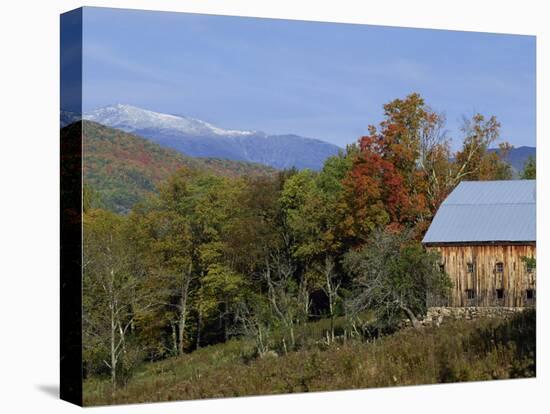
199 323
183 309
113 349
331 290
181 324
174 338
412 317
224 320
331 308
113 332
262 349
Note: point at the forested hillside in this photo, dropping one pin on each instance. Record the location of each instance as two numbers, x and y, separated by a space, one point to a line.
123 168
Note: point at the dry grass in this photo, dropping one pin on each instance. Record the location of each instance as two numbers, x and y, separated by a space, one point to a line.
456 351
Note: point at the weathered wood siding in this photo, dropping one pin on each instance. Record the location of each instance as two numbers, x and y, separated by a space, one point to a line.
486 280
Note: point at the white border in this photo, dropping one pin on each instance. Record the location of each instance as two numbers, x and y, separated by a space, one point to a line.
29 160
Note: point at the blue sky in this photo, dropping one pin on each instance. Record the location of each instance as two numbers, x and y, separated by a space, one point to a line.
322 80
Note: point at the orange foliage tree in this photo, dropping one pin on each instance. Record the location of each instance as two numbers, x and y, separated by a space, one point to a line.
391 182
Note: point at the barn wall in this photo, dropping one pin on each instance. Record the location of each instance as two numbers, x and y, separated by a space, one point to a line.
485 279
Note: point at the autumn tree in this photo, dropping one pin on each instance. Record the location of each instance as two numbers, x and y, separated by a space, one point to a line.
395 178
474 161
404 168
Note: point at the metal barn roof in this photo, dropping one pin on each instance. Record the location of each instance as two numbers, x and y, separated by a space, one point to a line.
486 211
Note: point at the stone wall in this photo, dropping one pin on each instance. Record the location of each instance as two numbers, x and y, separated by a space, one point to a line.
436 315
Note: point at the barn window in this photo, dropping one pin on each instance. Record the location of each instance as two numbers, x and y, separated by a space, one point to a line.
470 267
470 293
500 293
442 267
499 267
530 293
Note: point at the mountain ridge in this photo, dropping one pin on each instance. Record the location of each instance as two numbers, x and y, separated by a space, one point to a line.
124 168
197 138
518 156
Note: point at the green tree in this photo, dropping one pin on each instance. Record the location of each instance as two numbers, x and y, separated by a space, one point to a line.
254 318
222 289
330 282
164 242
529 169
311 203
113 295
181 238
91 199
209 205
304 211
392 276
284 297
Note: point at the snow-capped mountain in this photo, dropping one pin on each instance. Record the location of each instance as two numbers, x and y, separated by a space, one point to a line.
130 119
198 138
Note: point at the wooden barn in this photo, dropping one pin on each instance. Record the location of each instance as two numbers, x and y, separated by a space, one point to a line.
485 231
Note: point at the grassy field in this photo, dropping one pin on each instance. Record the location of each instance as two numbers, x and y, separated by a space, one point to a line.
455 351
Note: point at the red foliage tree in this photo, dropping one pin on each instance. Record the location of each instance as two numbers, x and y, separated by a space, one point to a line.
385 185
